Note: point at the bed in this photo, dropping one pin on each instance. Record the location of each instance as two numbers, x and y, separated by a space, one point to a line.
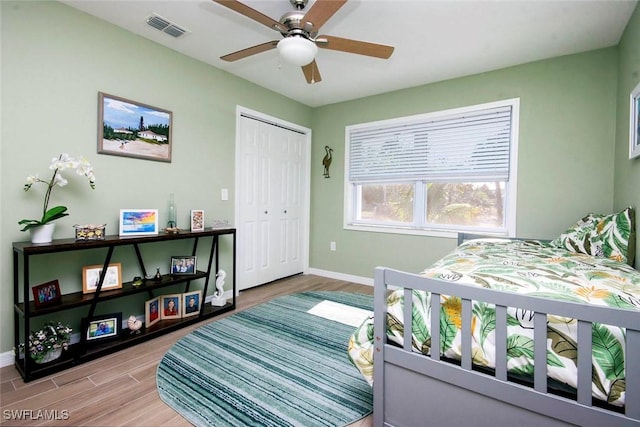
529 301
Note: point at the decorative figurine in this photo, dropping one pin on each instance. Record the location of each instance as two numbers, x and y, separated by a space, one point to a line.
218 300
326 161
137 281
158 276
134 324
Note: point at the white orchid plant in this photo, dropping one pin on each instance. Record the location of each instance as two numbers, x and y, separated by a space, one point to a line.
58 164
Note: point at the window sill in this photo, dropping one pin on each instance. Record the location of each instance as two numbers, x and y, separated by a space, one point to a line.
450 234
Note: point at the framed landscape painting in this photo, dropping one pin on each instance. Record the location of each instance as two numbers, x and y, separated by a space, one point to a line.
133 129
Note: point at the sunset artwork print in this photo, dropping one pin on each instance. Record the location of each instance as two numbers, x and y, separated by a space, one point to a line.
138 222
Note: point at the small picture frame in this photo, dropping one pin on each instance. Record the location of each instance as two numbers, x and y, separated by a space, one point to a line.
138 222
171 307
47 294
197 220
634 123
103 327
91 277
151 312
183 265
191 303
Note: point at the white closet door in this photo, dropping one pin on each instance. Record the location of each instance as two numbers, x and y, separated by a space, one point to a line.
271 176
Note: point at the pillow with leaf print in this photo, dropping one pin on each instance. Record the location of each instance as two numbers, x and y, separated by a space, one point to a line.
610 236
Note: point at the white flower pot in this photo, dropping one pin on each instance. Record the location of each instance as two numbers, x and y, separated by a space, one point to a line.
42 233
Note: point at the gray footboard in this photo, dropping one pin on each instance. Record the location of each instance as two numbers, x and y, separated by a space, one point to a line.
411 389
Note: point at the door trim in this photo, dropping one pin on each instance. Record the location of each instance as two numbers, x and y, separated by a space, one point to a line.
306 206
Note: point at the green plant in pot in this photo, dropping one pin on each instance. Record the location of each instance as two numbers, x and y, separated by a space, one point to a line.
58 165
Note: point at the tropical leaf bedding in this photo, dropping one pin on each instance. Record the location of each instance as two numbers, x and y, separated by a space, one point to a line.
525 267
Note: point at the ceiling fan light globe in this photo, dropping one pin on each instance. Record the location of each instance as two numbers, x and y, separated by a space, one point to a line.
297 50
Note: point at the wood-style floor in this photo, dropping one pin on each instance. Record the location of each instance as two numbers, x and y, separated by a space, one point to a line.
120 389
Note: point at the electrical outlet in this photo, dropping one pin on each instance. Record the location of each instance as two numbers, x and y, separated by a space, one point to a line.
332 246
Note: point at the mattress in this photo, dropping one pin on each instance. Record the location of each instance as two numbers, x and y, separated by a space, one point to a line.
528 267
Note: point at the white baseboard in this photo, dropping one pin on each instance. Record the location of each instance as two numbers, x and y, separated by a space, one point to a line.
342 276
6 359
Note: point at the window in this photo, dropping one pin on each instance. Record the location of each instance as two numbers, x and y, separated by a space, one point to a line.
436 173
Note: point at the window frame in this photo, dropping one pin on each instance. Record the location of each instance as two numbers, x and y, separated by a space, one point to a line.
419 227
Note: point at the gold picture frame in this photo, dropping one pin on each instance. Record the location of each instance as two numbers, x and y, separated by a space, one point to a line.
191 303
171 306
151 312
92 274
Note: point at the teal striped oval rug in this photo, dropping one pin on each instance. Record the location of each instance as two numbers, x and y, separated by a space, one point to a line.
272 365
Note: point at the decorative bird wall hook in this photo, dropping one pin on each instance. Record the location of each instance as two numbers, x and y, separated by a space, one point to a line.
326 161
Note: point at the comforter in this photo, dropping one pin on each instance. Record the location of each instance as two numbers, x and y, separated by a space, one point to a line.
526 267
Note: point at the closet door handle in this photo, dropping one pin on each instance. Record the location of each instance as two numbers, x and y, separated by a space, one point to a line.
285 211
266 212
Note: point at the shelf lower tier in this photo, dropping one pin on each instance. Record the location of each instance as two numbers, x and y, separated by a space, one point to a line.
81 353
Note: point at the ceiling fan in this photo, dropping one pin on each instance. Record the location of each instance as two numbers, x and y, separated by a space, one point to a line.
300 31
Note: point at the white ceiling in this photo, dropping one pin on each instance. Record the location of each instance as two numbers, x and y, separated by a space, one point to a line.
433 40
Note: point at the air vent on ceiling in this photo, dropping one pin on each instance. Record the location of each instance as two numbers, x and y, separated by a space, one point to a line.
166 26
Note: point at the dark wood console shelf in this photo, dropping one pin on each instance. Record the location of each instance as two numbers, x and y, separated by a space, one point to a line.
25 309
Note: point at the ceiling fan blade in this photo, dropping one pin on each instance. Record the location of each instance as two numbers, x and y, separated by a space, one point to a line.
250 51
311 72
321 11
251 13
354 46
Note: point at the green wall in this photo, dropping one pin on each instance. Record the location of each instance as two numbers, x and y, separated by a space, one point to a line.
627 172
565 159
55 60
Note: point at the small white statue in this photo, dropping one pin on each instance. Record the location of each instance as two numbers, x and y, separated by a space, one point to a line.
218 299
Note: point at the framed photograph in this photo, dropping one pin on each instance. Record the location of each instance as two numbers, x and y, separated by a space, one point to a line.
91 277
47 294
171 306
634 123
103 327
138 222
191 303
197 220
151 312
133 129
183 265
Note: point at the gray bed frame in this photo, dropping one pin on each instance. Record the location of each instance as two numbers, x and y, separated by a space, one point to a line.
411 389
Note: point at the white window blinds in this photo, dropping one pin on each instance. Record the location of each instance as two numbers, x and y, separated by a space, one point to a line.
466 147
